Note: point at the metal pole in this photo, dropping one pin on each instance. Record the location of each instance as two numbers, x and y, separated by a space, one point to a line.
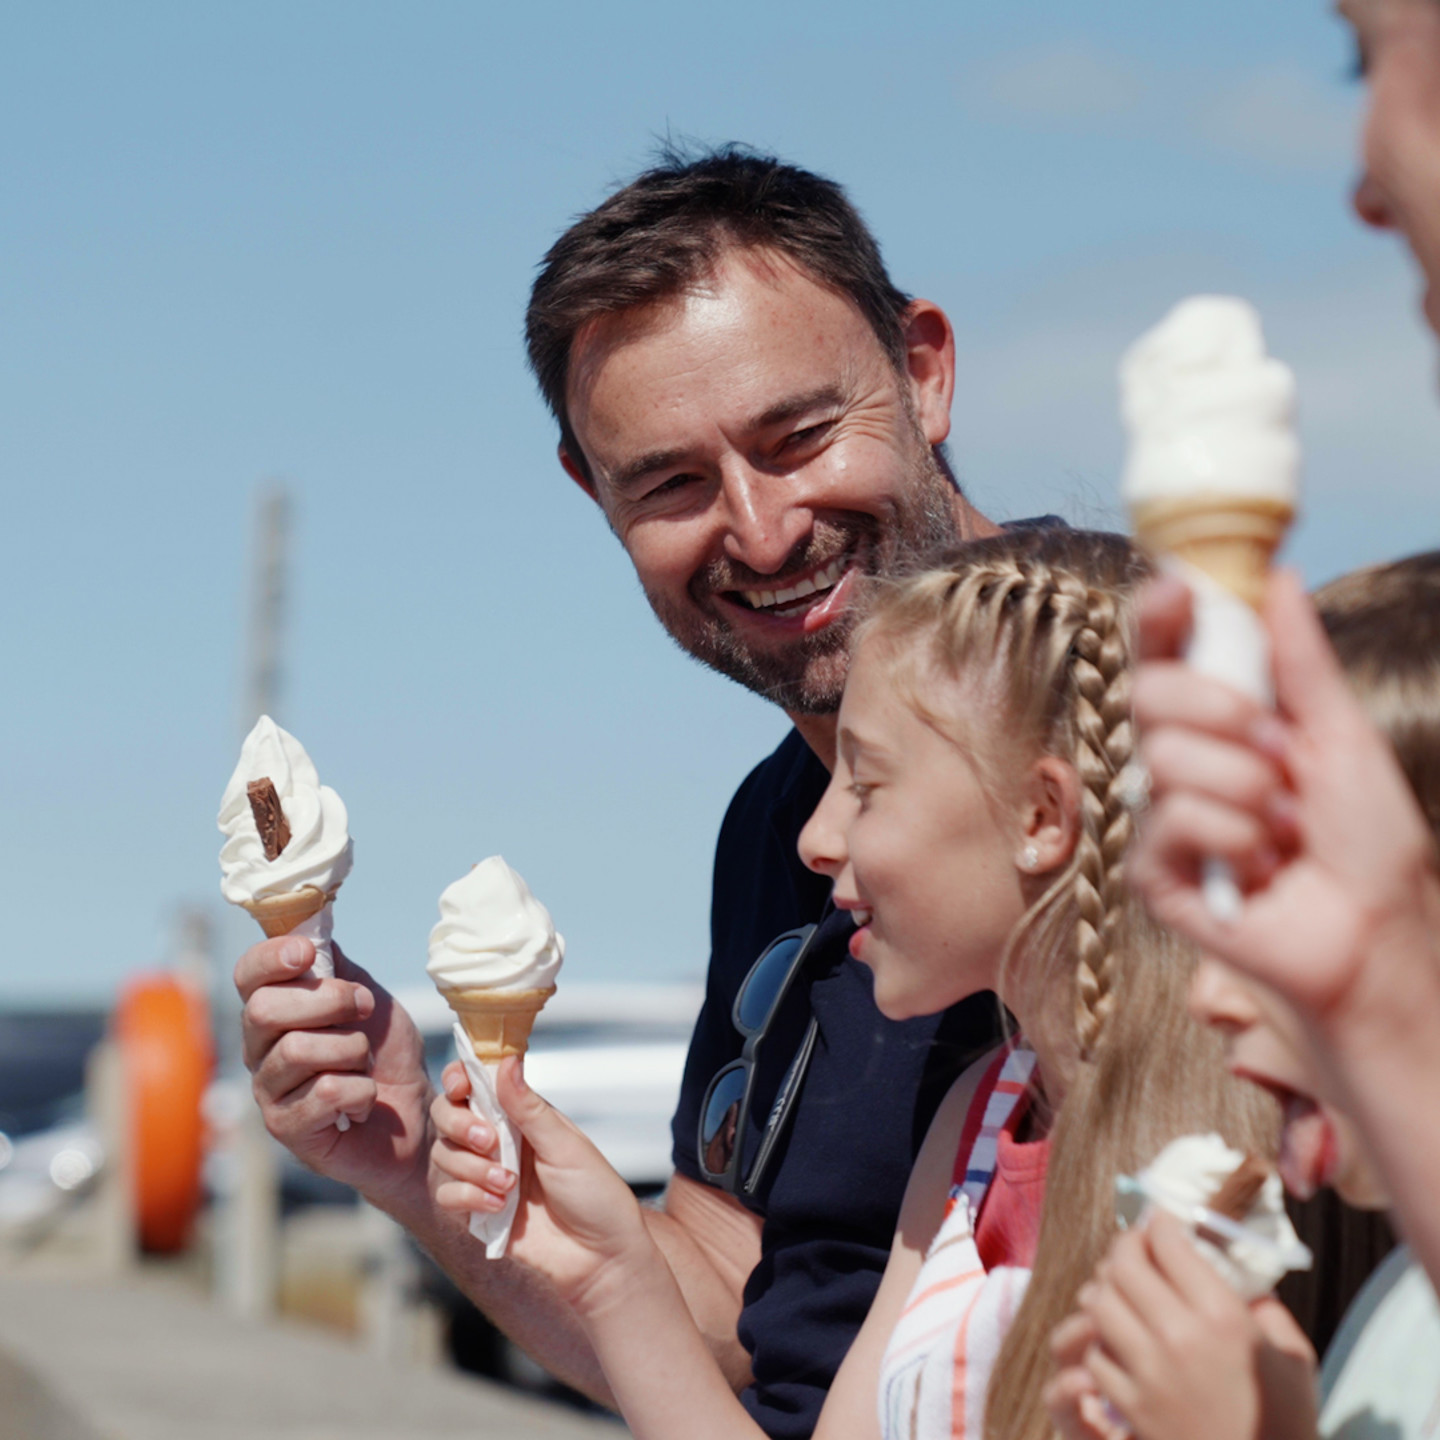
247 1251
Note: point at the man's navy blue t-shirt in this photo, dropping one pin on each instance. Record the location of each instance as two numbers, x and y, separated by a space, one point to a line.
832 1191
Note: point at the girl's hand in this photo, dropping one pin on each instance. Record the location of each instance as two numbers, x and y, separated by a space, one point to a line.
578 1223
1179 1354
1072 1397
1309 807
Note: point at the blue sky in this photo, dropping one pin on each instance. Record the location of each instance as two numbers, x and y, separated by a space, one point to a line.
295 241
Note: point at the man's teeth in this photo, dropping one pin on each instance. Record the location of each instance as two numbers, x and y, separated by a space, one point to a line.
821 580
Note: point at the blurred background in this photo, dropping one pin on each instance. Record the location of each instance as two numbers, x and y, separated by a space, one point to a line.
262 277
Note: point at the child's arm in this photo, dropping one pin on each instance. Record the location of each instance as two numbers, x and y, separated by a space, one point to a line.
1181 1356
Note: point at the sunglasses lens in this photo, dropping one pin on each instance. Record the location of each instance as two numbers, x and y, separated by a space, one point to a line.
757 998
720 1123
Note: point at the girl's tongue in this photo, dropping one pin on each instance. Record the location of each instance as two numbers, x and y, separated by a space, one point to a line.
1307 1148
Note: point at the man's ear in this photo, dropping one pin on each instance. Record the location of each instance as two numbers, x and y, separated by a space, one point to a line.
577 473
1049 817
930 366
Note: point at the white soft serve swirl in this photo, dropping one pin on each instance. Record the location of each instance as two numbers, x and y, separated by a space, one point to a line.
320 852
1207 411
1184 1177
494 934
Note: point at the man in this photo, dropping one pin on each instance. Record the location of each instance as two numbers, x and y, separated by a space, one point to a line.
757 410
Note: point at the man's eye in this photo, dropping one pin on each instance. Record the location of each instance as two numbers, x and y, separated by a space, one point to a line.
798 439
670 486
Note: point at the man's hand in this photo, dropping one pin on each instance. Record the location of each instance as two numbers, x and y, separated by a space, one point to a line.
317 1049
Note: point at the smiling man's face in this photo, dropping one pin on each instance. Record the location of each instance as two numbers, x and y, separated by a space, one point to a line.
756 451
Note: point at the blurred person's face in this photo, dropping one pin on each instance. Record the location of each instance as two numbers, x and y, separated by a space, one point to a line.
1399 44
755 450
1319 1144
923 854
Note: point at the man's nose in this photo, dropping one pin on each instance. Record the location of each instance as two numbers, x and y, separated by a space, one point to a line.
1370 204
765 517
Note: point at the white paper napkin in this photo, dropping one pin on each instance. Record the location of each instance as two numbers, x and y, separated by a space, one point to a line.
318 929
1228 643
492 1230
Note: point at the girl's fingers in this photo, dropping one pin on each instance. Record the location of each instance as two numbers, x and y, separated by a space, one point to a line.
1165 618
1071 1338
463 1164
1113 1382
1190 1276
1173 694
458 1125
455 1081
1120 1331
1236 775
456 1195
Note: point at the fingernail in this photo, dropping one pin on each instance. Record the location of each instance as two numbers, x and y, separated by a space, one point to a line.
292 954
1283 810
364 1002
501 1180
1269 735
492 1201
479 1137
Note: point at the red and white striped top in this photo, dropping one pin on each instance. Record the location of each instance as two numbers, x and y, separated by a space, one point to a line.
938 1362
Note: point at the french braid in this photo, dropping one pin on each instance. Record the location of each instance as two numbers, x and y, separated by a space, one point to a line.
1035 623
1048 630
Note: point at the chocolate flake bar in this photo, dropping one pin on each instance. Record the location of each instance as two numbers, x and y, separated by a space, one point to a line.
1240 1189
270 819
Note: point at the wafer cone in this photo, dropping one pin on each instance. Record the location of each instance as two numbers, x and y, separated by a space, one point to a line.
498 1022
280 914
1231 539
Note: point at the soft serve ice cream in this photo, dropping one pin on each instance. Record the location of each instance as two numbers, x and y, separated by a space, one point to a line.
287 843
1211 416
316 854
493 935
1212 481
1241 1228
494 956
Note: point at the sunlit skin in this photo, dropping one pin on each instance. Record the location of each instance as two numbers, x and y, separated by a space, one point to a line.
752 437
930 862
1265 1043
1399 189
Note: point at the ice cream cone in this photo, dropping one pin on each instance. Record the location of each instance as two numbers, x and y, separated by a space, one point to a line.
498 1022
280 914
1230 538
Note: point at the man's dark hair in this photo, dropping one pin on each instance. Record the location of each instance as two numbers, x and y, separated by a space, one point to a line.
667 229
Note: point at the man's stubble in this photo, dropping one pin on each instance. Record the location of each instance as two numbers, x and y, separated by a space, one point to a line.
807 676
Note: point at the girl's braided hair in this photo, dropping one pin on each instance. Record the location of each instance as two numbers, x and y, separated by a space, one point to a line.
1015 647
1040 618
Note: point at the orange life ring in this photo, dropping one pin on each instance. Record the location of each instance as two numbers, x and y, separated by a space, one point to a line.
163 1030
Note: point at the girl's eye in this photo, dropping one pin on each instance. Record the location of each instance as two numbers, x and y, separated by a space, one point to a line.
860 790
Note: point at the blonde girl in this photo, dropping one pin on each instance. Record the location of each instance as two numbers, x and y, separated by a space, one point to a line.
975 827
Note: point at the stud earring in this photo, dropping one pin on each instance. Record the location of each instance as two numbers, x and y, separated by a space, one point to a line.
1030 857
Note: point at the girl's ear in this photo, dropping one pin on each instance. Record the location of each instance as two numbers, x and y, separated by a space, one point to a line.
1049 817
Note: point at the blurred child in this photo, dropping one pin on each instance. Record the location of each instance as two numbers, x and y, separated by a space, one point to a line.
975 828
1157 1334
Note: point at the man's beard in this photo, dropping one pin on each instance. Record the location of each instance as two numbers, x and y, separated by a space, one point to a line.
807 675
